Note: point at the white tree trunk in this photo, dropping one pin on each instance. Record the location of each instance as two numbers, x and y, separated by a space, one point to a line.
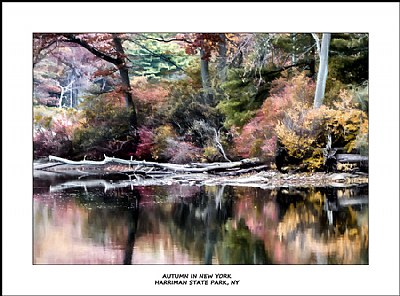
323 69
64 90
219 145
61 95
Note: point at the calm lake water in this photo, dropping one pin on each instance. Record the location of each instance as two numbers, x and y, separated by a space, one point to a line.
178 224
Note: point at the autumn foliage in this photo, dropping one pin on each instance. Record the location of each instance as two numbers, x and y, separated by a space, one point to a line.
287 118
53 132
258 137
151 99
305 132
181 97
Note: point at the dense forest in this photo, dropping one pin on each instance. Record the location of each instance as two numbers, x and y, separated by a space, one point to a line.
289 99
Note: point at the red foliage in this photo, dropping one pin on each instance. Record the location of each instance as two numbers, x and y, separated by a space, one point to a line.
146 143
149 93
258 138
151 98
182 152
208 42
50 101
51 89
56 140
104 72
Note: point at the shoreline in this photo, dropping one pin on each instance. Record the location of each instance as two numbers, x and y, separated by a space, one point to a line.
265 179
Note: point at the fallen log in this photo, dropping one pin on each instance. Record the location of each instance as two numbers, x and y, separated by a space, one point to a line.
265 180
248 170
41 166
350 158
173 168
351 162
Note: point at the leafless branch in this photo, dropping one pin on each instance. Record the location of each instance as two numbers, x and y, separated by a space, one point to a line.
161 39
317 41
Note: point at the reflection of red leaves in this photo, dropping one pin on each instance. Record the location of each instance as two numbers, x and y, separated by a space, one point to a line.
146 193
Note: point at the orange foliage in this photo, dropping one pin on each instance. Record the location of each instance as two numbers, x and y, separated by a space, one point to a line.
258 138
151 98
304 130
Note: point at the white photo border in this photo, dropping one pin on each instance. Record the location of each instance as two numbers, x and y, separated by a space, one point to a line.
380 20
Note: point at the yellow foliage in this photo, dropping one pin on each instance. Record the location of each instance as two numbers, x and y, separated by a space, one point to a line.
316 160
255 149
304 130
345 167
162 134
210 153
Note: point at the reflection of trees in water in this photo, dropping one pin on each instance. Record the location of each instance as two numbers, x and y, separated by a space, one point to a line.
116 215
318 230
306 225
205 228
106 211
61 234
197 223
225 225
239 246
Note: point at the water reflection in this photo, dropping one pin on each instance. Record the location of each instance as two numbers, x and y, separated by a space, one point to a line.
180 224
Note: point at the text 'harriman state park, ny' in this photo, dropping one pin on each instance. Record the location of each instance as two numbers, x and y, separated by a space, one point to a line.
197 279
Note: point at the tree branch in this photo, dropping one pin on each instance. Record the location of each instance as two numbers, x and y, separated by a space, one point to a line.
73 39
303 63
166 40
168 60
219 145
318 42
37 50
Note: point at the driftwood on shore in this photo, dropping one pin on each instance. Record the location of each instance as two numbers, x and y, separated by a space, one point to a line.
264 180
247 172
351 158
153 168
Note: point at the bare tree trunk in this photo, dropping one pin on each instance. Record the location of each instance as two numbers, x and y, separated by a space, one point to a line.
219 145
64 90
312 64
61 95
294 58
221 68
123 71
323 68
156 166
205 75
71 94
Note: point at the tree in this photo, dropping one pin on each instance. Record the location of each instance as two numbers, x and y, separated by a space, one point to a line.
157 56
222 59
323 51
206 44
348 58
107 47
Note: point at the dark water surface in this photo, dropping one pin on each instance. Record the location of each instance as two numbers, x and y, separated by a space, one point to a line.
180 224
